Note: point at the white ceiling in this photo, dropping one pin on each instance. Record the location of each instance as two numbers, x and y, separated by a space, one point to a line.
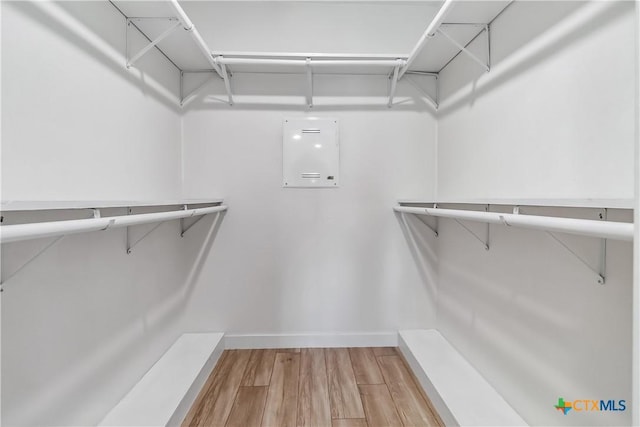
390 28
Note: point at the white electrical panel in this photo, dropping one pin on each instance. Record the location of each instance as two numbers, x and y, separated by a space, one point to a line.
310 153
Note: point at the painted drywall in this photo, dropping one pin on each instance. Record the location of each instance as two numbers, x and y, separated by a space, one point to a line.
635 380
533 319
553 119
557 106
77 125
309 260
84 321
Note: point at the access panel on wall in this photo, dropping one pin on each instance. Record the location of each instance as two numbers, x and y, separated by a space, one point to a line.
310 153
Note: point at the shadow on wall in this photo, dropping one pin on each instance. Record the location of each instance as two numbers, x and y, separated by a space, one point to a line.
420 238
532 319
98 29
520 40
84 321
331 92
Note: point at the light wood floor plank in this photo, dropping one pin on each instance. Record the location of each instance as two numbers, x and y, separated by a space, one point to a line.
282 399
378 406
365 366
412 408
349 422
313 391
344 396
384 351
288 350
224 390
207 396
311 388
259 368
248 407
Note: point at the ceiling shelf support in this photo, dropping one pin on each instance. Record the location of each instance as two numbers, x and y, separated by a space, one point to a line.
153 43
434 101
195 35
394 83
428 34
486 65
227 83
309 84
185 98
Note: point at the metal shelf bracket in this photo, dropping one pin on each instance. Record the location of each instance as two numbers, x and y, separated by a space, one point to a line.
434 229
185 98
394 82
601 271
95 214
131 60
309 84
435 102
226 77
486 64
184 228
485 242
3 280
130 244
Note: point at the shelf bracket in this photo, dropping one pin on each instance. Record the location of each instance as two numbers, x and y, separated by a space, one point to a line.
435 102
600 273
485 242
131 245
225 76
484 64
434 229
29 261
309 83
186 98
184 229
95 214
153 43
394 83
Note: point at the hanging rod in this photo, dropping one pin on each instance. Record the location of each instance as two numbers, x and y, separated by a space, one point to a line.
584 227
310 62
18 232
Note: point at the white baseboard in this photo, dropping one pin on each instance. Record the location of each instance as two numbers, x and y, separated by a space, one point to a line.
322 340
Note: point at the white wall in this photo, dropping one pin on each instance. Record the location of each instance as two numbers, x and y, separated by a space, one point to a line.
533 319
83 322
310 260
76 124
553 119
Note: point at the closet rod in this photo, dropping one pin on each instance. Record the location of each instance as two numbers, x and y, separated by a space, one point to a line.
312 62
18 232
584 227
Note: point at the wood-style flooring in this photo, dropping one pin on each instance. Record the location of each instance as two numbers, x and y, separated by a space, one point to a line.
332 387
